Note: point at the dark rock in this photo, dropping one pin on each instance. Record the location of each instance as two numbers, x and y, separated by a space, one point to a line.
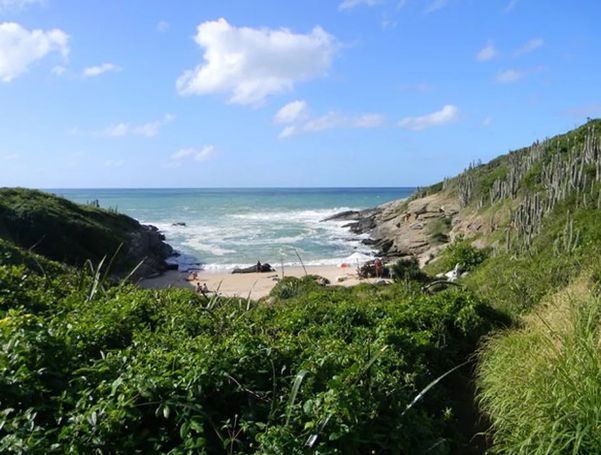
146 245
179 223
253 269
344 216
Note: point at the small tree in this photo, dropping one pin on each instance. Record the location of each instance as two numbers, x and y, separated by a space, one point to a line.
407 270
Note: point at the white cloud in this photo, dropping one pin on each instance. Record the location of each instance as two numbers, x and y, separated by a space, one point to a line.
203 154
250 64
509 76
149 129
530 46
332 120
292 112
59 70
8 5
511 5
350 4
10 157
488 52
447 114
435 5
93 71
486 122
163 26
20 48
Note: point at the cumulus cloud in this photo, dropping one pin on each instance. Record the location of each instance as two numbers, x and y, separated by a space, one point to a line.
304 123
511 5
20 48
510 76
447 114
350 4
8 5
93 71
435 5
163 26
250 64
488 52
292 112
530 46
203 154
149 129
59 70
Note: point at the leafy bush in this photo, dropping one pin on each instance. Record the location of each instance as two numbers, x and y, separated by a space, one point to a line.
126 370
463 253
407 270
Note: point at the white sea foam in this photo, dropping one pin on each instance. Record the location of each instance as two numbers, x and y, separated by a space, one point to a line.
233 240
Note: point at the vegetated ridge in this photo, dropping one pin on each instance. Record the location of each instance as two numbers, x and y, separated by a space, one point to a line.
73 233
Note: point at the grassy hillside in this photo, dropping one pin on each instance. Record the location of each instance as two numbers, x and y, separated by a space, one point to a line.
70 233
539 383
58 228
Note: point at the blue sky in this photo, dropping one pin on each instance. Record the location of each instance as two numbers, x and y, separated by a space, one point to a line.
299 93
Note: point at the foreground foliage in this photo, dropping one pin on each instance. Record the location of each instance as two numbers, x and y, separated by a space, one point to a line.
554 404
117 369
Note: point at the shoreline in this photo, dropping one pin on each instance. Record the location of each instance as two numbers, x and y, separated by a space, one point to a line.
255 285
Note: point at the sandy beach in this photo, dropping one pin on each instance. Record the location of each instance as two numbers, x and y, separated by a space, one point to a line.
256 284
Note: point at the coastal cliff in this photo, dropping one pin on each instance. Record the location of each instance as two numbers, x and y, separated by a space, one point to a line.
502 204
73 233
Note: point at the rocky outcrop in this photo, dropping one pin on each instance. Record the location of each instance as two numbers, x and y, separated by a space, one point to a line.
147 245
263 268
408 227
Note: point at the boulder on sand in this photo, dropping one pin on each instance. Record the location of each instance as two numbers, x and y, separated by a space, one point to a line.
253 269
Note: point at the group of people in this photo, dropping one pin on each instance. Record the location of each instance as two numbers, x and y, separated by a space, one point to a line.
202 289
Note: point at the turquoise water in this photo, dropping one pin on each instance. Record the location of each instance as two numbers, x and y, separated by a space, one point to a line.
225 228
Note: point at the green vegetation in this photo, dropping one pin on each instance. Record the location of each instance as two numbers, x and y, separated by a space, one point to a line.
405 270
438 230
460 252
86 366
60 229
554 404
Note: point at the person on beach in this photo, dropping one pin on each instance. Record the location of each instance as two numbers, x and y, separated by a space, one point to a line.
379 268
205 288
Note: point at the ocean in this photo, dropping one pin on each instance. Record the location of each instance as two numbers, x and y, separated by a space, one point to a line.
219 229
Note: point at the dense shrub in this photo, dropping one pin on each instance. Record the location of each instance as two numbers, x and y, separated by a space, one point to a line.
407 270
126 370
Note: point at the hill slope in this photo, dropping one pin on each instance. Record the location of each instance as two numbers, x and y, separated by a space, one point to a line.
501 204
73 233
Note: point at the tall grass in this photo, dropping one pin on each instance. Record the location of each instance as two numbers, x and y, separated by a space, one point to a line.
541 385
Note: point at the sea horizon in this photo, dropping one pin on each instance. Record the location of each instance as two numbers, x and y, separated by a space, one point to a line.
218 229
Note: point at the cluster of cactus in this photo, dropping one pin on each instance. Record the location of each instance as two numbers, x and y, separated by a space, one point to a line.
465 183
569 241
576 171
544 174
